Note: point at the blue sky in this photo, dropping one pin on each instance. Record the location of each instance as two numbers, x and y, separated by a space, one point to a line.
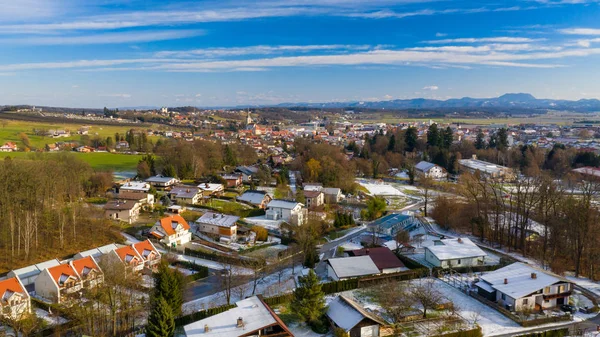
119 53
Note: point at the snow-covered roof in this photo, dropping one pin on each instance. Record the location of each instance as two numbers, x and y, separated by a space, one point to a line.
276 203
459 248
519 280
354 266
210 187
424 166
346 314
253 197
160 179
331 190
218 219
96 252
252 311
136 186
483 166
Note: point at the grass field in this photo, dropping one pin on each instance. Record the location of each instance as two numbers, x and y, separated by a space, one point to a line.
10 130
97 160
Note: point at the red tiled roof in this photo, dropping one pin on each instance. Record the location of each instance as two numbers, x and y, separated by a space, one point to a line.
381 256
140 247
167 223
81 264
11 284
60 270
128 250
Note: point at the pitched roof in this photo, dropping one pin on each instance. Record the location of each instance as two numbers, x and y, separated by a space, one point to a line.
253 197
354 266
144 248
283 204
311 193
61 273
218 219
381 256
169 224
185 191
120 205
346 313
127 254
10 285
459 248
84 265
389 220
159 179
424 166
519 280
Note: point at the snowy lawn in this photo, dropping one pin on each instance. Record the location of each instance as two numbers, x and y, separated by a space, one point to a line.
264 222
379 188
587 284
51 319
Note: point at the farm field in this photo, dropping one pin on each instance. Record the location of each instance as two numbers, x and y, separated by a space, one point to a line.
98 160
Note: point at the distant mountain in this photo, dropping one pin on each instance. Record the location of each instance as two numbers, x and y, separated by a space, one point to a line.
508 101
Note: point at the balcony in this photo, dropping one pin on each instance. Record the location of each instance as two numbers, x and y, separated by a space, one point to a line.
553 296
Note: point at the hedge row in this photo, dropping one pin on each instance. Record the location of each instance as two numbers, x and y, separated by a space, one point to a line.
464 270
196 316
213 256
339 286
277 300
257 247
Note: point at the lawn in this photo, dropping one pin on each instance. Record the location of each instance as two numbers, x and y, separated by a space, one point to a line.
98 160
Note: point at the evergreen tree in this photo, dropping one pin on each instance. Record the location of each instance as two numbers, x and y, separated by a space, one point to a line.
502 138
168 283
311 256
392 143
410 139
480 141
433 135
229 159
161 322
309 299
169 171
447 138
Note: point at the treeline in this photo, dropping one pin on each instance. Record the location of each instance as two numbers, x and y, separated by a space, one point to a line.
42 209
552 221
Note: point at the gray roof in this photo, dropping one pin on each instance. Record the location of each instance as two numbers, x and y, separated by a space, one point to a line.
346 313
35 269
277 203
460 248
354 266
120 204
159 179
390 220
218 219
187 192
96 252
424 166
331 190
253 197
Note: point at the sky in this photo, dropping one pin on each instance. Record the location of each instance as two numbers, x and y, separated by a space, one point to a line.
130 53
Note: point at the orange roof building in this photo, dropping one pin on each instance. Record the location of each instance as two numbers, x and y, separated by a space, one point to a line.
14 299
172 231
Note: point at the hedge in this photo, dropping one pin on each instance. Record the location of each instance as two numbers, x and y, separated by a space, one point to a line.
196 316
277 300
408 262
257 247
549 333
213 256
463 270
339 286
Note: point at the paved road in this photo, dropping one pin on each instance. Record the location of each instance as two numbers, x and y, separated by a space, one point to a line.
202 288
332 244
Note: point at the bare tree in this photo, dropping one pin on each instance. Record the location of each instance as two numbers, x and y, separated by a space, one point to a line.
426 294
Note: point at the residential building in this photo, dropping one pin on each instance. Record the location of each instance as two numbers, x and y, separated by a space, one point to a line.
128 256
333 195
314 198
9 147
97 253
249 317
218 225
312 186
135 186
344 313
58 283
247 172
144 199
385 260
28 275
122 145
149 254
14 299
392 223
492 170
452 253
210 189
159 181
350 267
521 287
289 211
259 199
430 170
88 270
233 180
122 210
172 231
185 195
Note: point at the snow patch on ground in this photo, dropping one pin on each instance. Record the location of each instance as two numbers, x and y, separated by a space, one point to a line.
264 222
51 319
129 239
380 188
587 284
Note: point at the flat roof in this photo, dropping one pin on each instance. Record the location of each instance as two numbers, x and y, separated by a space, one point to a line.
218 219
354 266
459 248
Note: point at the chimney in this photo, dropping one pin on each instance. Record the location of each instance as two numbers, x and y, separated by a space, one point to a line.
240 323
474 157
460 240
533 276
505 281
206 185
206 329
367 251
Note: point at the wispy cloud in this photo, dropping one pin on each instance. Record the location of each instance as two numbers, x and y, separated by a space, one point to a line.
499 39
105 38
431 87
116 95
259 50
580 31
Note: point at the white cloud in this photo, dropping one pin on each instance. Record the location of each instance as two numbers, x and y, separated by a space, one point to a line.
431 87
440 34
116 95
258 50
106 38
500 39
580 31
198 95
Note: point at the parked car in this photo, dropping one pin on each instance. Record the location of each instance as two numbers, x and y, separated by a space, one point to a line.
568 308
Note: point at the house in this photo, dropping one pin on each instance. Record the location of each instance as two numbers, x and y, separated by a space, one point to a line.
142 198
14 299
314 198
351 317
521 287
289 211
312 186
122 145
488 169
233 180
185 195
249 317
247 172
88 270
392 223
209 189
135 186
84 149
149 254
122 210
9 147
350 267
97 253
218 225
333 195
58 283
175 209
430 170
259 199
129 257
385 260
28 275
172 231
52 147
451 253
159 181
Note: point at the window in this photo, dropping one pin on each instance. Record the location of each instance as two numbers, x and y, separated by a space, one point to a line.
547 290
525 301
503 297
561 289
458 261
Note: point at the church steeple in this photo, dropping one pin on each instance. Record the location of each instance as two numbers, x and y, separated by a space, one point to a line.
248 118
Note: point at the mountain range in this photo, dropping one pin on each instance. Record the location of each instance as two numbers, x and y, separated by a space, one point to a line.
508 101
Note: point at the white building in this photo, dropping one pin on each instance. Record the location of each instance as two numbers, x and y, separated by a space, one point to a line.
135 186
289 211
489 169
430 170
162 182
172 231
217 224
521 287
452 253
14 299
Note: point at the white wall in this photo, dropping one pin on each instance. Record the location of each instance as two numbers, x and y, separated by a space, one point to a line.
45 286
